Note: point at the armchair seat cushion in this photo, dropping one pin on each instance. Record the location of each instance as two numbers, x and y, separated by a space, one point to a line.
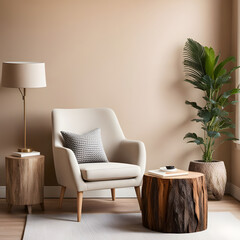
92 172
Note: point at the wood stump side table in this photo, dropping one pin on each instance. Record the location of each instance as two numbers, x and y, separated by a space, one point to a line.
175 204
25 181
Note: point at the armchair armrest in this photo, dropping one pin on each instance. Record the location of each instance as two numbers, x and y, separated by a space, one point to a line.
133 152
67 169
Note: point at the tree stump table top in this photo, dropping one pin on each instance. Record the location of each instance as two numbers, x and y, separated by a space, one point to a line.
176 204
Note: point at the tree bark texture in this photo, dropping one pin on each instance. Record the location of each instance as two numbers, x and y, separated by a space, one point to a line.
175 204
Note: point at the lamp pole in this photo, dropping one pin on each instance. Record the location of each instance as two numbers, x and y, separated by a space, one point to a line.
24 149
25 120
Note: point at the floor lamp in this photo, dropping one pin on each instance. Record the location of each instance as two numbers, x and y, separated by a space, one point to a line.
23 75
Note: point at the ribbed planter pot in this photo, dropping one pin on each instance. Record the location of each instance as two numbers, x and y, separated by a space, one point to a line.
215 174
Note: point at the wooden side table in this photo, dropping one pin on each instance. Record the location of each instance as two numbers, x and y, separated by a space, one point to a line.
25 181
175 204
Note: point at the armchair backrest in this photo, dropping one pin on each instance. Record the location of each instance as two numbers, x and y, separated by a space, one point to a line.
85 119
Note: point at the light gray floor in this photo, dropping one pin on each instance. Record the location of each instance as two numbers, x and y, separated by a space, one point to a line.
221 226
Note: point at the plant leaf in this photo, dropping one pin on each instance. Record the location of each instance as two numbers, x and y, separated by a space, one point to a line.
197 120
226 123
209 61
205 115
233 69
191 135
194 59
222 99
216 59
228 134
213 134
220 66
231 139
198 85
208 81
198 141
222 80
193 104
231 92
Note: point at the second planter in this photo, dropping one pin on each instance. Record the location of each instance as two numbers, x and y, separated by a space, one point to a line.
215 174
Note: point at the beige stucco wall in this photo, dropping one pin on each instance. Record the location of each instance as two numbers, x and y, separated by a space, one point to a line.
122 54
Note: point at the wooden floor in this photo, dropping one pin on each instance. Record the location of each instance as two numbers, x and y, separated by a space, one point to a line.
12 224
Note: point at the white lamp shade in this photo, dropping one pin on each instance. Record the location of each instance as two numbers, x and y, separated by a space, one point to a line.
23 75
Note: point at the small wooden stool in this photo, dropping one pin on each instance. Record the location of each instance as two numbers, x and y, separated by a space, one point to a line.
25 181
175 204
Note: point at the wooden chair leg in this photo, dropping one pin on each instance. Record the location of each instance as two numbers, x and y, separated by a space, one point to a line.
79 205
137 190
42 206
63 189
9 207
113 194
29 207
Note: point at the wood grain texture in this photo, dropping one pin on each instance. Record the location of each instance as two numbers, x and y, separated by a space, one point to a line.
137 190
24 180
42 206
63 189
175 204
79 205
113 194
29 207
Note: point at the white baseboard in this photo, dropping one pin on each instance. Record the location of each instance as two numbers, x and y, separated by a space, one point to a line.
2 192
54 192
227 189
233 190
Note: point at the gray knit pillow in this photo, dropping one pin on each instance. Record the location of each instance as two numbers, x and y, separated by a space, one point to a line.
88 147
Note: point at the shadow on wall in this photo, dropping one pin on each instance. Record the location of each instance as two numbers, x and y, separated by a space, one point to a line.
10 126
40 139
168 142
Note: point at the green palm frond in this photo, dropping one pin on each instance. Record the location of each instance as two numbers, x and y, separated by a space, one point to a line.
194 60
205 72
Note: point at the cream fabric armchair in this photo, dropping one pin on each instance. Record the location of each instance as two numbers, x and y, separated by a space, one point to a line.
127 158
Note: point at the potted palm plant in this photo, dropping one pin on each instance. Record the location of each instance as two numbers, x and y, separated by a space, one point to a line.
205 72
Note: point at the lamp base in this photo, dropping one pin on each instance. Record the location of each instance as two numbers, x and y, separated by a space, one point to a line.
25 150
